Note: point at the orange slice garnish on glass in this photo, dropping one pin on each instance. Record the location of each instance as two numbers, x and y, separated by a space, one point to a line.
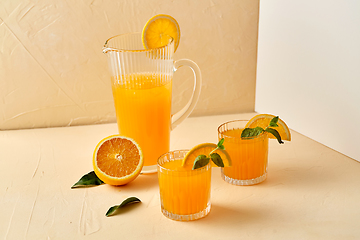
117 160
158 30
263 120
206 149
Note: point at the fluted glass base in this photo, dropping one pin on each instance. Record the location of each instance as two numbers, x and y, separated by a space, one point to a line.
241 182
189 217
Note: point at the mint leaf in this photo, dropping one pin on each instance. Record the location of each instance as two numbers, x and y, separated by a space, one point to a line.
215 157
127 201
220 144
251 132
200 161
88 180
275 133
273 122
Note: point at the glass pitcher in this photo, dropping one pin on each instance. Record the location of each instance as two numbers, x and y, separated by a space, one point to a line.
142 90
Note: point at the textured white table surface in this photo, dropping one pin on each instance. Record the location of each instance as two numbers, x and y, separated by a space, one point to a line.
312 192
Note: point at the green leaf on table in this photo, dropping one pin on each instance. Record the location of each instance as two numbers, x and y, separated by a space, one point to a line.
200 161
126 202
275 133
251 132
88 180
215 157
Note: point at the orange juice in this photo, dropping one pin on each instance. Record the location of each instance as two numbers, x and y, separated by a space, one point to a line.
184 192
249 157
143 112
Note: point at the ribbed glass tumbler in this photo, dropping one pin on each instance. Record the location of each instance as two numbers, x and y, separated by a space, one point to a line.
249 156
184 193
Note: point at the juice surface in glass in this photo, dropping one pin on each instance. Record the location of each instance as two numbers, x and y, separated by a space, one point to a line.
249 157
183 191
143 112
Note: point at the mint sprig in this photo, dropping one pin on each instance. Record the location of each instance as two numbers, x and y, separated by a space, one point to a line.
203 160
253 132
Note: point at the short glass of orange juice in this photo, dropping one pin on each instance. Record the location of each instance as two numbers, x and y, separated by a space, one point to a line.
249 156
184 193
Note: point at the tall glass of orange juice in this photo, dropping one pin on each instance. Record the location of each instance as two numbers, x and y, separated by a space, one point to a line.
249 156
184 193
142 91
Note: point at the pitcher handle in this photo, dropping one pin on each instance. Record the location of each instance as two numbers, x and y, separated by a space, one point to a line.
182 114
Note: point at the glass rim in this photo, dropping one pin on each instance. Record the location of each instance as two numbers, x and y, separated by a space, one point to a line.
172 170
108 49
233 137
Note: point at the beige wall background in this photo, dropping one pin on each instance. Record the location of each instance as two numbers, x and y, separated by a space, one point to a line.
53 72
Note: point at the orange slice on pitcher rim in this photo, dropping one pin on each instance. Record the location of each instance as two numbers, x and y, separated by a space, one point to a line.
158 30
263 120
205 149
117 160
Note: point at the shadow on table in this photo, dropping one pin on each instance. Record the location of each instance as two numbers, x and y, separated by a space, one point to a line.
226 217
142 183
299 175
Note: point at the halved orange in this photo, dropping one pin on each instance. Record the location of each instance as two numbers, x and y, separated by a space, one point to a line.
205 149
117 160
263 120
157 30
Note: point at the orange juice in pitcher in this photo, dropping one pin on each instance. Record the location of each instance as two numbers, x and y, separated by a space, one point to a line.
143 112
